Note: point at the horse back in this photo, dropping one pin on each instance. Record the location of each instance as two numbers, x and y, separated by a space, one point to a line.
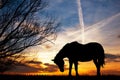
85 52
94 47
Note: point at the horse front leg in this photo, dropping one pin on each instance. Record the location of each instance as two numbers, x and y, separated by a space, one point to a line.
76 67
70 67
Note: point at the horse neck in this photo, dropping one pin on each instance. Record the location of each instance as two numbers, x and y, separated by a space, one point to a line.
62 53
60 56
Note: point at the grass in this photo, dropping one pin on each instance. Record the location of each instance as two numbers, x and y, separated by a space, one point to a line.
39 77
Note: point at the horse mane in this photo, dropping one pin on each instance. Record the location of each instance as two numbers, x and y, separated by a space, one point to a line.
60 53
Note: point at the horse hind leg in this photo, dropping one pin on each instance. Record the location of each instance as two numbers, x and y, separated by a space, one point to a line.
70 67
97 66
76 67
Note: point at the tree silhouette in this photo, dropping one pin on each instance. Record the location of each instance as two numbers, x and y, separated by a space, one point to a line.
21 27
3 3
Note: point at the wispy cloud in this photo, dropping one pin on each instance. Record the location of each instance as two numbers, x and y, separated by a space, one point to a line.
34 62
50 67
102 31
112 57
33 67
118 36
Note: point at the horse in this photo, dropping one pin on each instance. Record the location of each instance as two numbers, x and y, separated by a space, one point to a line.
75 52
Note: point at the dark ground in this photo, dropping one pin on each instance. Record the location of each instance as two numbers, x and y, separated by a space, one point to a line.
39 77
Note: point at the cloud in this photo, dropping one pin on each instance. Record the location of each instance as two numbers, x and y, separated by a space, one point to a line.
112 57
50 67
37 67
105 72
34 62
43 67
33 67
111 72
104 32
118 36
18 69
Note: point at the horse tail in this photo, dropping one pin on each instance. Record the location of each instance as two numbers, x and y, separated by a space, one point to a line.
101 59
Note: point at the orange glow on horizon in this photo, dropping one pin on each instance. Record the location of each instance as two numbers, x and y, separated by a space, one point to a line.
84 68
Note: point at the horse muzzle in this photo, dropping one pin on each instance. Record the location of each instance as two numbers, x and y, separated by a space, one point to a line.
62 70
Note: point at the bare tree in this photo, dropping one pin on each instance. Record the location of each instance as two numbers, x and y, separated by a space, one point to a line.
21 26
4 3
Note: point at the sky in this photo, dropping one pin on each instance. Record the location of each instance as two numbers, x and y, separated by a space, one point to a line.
101 20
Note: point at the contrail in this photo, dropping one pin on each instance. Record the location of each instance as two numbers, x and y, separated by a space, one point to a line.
101 23
92 28
81 22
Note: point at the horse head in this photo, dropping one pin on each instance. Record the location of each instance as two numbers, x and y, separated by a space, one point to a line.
59 63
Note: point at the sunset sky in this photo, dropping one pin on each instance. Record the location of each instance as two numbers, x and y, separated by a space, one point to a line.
102 24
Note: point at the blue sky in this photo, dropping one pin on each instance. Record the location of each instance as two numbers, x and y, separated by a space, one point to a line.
93 10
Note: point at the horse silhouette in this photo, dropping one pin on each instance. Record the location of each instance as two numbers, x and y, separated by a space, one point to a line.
75 52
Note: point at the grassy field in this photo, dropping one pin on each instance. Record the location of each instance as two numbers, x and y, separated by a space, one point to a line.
38 77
